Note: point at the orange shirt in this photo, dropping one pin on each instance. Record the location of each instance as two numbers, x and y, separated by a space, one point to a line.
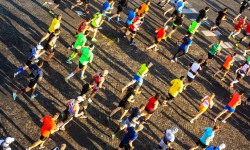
48 125
144 8
234 100
227 61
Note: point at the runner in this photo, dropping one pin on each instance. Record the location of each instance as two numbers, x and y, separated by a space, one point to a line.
106 9
5 144
160 34
86 57
55 24
221 147
62 147
238 27
138 77
172 7
129 20
121 5
97 83
56 4
207 102
179 5
83 26
81 40
226 65
32 58
247 50
244 5
96 23
206 138
144 8
183 48
221 16
151 106
134 27
168 138
246 33
36 75
131 121
49 127
202 14
163 1
125 103
241 72
177 22
193 71
175 89
72 110
193 28
50 45
129 138
231 106
214 50
80 2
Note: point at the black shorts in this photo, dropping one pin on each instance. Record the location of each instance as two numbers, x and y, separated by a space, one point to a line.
93 26
84 105
125 146
156 41
190 79
210 56
217 22
42 138
170 97
189 33
119 9
49 32
133 32
65 116
149 111
222 68
239 76
57 2
49 48
124 104
174 27
85 89
175 13
200 144
81 65
85 1
32 83
242 9
28 62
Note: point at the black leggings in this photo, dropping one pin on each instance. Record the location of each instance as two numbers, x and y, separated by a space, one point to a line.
180 52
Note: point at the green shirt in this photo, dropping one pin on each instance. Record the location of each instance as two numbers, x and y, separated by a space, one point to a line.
80 40
142 69
248 59
213 50
96 20
193 27
86 56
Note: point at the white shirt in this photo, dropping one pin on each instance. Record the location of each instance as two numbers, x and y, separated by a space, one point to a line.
195 67
245 67
4 145
206 103
169 135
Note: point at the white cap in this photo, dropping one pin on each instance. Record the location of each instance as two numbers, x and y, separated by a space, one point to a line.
106 72
174 130
39 46
222 146
9 140
80 98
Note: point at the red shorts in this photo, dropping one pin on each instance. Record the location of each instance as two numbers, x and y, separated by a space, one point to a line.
238 28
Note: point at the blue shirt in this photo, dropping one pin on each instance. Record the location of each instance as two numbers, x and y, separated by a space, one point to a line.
105 7
131 17
36 72
209 133
212 148
186 42
33 52
130 136
179 6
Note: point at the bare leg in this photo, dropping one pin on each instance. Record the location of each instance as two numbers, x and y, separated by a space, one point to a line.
123 114
130 83
44 37
227 116
39 142
198 115
152 46
77 4
115 111
221 113
147 116
50 56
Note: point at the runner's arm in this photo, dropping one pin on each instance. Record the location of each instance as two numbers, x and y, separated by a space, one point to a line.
101 82
248 70
39 79
156 105
135 120
131 144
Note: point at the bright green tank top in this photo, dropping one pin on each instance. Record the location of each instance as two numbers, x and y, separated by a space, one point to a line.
142 69
213 50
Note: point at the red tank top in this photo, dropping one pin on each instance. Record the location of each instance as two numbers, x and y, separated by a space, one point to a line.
151 103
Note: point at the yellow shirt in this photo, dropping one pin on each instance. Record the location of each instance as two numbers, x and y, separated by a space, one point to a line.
176 88
55 24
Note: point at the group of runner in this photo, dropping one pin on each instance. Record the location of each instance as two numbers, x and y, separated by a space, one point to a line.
139 115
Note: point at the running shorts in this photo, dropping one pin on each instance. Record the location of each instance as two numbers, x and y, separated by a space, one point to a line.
119 9
228 108
237 28
210 56
65 116
190 79
138 79
218 22
240 74
242 9
170 97
82 65
85 1
132 31
42 138
85 89
202 108
157 40
49 48
124 146
175 13
28 62
149 111
57 2
200 144
245 33
124 104
223 68
32 83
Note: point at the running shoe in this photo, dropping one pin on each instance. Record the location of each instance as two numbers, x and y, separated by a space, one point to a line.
15 74
90 100
14 95
244 54
112 136
83 117
69 62
224 121
84 77
94 40
34 96
132 43
215 119
41 147
237 44
109 18
191 121
66 80
52 12
175 59
45 3
119 19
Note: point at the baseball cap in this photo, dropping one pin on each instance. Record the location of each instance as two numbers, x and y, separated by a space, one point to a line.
80 98
9 140
222 146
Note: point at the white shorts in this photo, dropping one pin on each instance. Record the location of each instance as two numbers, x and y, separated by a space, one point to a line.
163 145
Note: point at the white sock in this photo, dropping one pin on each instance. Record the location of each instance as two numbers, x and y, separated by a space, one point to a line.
71 75
82 73
231 33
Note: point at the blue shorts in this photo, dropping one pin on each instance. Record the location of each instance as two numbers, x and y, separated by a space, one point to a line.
138 79
228 108
245 33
